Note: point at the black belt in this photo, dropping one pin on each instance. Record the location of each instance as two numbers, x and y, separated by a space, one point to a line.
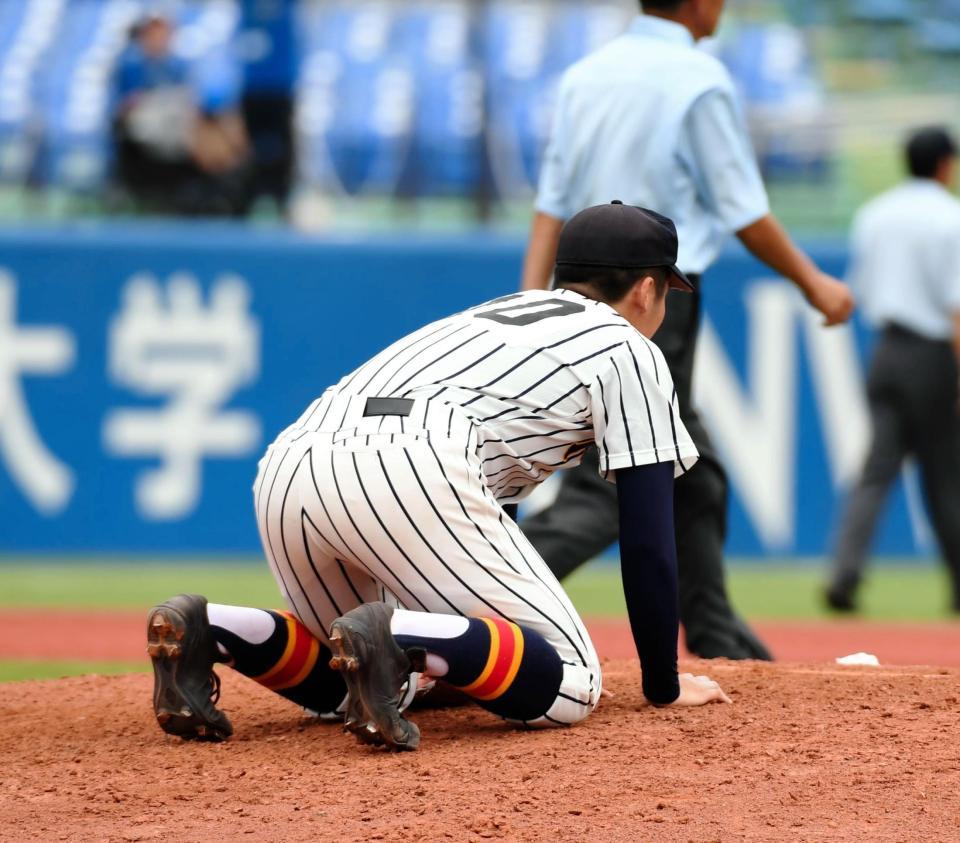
898 331
388 407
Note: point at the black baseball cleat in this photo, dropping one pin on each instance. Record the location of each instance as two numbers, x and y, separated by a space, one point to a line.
748 640
185 686
375 670
839 599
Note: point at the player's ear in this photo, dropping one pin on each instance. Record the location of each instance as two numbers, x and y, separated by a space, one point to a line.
645 291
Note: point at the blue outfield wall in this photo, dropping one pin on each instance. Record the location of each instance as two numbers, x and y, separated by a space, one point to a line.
145 368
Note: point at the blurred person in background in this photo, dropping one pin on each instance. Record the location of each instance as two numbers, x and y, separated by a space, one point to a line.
155 112
654 121
267 47
905 268
181 147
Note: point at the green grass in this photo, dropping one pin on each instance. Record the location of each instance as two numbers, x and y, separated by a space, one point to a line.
790 592
85 584
891 593
894 592
15 670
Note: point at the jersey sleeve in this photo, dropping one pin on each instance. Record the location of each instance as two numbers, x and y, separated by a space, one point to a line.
636 417
717 140
854 276
553 195
949 268
648 567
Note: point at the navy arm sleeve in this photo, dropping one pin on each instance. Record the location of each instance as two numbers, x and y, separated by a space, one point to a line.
648 565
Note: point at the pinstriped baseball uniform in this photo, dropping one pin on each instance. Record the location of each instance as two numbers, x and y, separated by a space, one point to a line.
391 485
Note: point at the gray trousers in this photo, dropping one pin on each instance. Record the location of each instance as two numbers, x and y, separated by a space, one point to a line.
912 393
583 521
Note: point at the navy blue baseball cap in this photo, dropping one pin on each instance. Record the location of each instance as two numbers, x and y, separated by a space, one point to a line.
622 237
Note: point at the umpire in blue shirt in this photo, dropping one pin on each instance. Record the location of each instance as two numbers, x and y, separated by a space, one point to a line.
654 121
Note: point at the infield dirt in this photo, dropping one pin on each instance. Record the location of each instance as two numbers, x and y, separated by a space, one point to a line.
807 752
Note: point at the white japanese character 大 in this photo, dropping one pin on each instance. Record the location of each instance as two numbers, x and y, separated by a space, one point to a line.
46 482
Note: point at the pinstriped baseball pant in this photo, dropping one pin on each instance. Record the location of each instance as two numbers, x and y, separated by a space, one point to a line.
395 509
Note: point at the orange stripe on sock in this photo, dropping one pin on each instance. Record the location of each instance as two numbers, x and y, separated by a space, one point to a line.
503 664
266 678
491 658
508 663
286 672
512 669
311 661
298 659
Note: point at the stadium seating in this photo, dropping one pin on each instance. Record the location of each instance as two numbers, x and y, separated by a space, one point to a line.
57 59
446 156
515 38
937 30
355 113
882 11
774 72
74 94
27 28
392 97
422 97
527 48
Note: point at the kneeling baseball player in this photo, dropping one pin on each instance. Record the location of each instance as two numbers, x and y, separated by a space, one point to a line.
383 511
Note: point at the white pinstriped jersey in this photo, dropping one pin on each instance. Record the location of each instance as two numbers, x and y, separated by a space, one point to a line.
540 375
404 505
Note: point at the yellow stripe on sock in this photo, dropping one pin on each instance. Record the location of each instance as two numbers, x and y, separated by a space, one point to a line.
264 678
308 665
514 665
491 658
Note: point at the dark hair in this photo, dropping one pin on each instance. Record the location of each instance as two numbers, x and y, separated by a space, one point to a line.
927 148
665 5
608 282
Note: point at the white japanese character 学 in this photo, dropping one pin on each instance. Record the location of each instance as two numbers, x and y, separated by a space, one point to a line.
168 343
43 479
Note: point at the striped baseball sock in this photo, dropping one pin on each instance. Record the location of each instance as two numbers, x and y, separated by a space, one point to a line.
508 669
277 651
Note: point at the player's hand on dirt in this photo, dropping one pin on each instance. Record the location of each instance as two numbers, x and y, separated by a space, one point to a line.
699 690
832 298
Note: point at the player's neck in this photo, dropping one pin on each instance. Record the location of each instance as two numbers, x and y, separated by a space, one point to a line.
584 290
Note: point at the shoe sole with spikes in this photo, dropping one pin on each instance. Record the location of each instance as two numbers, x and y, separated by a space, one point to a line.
354 718
374 668
168 643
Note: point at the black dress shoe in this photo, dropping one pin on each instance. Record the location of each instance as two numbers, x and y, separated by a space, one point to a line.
840 600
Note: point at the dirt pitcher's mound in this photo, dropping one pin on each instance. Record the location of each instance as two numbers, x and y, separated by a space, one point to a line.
805 753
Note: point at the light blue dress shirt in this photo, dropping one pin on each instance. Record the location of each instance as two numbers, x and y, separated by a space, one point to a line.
905 258
654 121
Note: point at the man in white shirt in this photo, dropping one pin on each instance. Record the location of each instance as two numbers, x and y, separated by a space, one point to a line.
654 121
905 267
